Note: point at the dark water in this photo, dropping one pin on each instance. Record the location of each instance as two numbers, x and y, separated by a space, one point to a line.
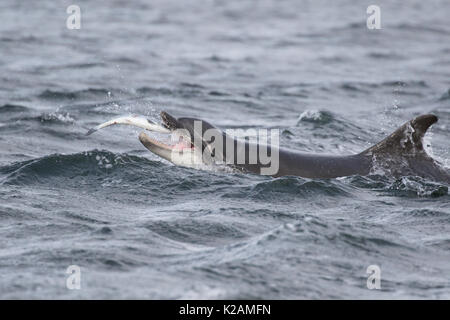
140 227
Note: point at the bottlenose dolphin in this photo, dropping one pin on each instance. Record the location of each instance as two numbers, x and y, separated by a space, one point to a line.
401 153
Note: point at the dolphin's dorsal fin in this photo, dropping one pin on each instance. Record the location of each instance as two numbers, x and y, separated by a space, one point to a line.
406 140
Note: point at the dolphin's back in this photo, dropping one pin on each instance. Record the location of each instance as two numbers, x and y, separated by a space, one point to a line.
406 141
322 166
401 153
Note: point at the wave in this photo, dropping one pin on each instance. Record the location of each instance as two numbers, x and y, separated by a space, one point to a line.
405 186
138 174
90 93
416 28
293 187
429 213
50 118
195 231
411 186
117 176
286 188
92 163
184 90
367 87
322 233
385 55
319 117
328 125
12 108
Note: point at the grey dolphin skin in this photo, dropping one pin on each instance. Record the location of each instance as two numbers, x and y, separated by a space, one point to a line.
401 153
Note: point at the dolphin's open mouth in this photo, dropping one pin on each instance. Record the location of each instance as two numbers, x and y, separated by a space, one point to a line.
177 146
181 144
178 142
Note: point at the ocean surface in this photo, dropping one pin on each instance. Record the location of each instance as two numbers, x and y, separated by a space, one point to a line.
140 227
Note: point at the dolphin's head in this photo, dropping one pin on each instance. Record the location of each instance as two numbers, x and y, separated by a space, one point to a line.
188 137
